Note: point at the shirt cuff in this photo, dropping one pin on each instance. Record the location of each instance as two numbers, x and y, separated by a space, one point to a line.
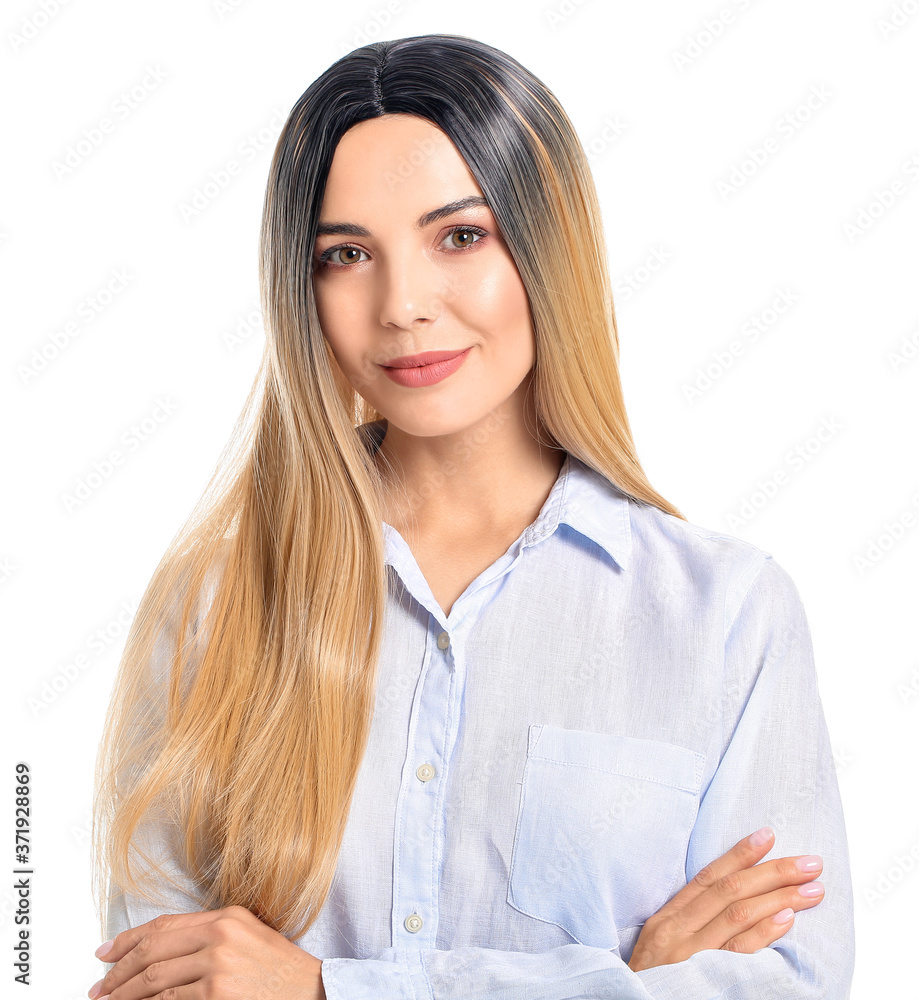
395 974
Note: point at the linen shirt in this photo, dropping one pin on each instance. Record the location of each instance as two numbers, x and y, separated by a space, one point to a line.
608 707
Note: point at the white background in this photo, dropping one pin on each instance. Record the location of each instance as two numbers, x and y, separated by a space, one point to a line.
211 83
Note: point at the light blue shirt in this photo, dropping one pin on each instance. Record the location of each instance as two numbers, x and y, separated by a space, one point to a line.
612 704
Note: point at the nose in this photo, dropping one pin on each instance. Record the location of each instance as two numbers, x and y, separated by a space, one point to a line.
414 290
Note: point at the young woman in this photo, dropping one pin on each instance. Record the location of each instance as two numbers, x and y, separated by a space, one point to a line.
434 695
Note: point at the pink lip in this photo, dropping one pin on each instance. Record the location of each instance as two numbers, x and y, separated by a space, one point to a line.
425 369
428 358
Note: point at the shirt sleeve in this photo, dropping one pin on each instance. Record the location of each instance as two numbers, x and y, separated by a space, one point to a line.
776 769
178 892
127 910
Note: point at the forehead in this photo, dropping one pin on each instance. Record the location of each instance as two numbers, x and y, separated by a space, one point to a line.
395 160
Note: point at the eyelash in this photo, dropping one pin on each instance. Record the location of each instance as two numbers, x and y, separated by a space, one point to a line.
323 259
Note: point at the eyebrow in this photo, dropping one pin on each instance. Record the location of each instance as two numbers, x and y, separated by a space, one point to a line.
352 229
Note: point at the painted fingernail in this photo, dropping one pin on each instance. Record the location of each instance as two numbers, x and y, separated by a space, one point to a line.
760 837
104 948
94 990
811 889
810 863
782 917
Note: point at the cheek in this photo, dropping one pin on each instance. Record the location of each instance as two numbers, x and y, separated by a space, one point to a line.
332 310
497 305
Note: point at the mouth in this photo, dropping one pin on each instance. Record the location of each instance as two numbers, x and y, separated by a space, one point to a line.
427 358
426 369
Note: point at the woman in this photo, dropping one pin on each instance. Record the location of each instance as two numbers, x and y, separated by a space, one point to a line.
434 694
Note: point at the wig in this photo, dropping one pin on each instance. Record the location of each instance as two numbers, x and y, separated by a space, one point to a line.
245 693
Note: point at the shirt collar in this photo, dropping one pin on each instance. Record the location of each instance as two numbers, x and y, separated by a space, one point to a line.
581 497
589 503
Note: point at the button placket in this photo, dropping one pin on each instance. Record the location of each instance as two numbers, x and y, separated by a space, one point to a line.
419 819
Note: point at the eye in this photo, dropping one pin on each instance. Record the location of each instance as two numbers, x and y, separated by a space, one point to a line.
328 260
465 229
323 260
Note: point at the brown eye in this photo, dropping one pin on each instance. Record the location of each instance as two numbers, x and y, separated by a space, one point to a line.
329 259
349 255
464 236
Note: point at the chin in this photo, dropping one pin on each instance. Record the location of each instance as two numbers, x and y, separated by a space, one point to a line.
426 422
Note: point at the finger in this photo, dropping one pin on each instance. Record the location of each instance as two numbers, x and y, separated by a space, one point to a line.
154 979
743 854
130 946
152 950
772 927
738 889
762 934
752 920
122 943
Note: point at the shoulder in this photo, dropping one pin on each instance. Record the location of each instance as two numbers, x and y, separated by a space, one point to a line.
707 561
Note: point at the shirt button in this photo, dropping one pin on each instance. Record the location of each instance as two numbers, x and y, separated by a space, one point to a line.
425 772
443 640
413 923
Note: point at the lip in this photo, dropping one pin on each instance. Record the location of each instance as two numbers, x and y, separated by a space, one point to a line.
427 358
419 370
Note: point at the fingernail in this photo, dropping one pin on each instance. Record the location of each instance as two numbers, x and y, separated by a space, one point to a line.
94 990
760 837
104 948
782 917
810 863
811 889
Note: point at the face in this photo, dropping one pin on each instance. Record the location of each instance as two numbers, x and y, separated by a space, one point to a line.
395 276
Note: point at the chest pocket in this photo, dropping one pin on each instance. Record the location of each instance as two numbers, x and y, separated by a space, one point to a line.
602 830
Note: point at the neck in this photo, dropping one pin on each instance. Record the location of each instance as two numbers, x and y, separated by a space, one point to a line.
491 474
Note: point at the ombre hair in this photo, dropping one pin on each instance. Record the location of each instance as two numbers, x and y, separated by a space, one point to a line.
245 693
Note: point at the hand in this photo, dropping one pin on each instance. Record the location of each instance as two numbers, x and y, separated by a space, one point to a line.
226 954
729 905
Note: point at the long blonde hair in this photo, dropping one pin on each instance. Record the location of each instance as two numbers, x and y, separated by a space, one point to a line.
243 702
